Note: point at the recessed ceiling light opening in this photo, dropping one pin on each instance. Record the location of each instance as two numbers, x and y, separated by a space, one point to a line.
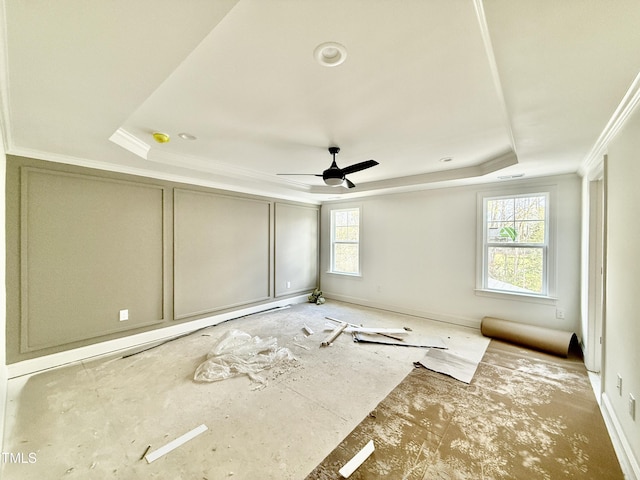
187 136
330 54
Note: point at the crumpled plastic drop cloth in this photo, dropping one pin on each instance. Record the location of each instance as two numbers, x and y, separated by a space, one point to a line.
238 353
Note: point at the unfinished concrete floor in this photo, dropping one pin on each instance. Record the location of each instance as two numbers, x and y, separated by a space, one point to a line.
95 419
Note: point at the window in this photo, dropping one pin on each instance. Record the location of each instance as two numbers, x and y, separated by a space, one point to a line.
345 241
515 244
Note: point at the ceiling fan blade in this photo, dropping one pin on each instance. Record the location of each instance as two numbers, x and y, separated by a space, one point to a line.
350 184
306 174
359 166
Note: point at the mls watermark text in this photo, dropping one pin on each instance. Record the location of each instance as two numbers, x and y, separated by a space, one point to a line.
18 457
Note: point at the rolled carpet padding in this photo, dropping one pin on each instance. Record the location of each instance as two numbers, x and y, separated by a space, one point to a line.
547 340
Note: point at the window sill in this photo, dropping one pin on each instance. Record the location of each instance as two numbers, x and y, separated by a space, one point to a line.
523 297
343 274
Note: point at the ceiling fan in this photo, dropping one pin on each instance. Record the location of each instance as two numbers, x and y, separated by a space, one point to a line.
334 175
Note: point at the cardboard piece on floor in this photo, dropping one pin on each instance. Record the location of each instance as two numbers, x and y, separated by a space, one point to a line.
359 458
415 340
450 364
156 454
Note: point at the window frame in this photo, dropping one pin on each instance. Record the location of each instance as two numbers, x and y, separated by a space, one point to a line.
333 241
547 296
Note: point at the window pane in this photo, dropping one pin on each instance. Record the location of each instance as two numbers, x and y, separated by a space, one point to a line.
341 234
500 210
530 231
502 232
345 258
530 208
515 269
341 218
354 217
346 234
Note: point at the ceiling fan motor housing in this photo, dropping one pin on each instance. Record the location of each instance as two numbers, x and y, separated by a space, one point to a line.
333 175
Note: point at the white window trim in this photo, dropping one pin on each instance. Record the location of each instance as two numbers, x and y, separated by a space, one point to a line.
551 258
331 242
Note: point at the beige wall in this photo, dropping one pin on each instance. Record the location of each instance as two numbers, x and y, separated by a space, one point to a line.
84 244
297 250
622 310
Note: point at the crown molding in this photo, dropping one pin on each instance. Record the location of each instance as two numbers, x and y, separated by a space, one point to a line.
594 159
130 142
490 165
220 182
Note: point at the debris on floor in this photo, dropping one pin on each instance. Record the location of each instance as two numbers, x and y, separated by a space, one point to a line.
156 454
380 335
359 458
145 452
238 353
316 297
422 341
450 364
335 333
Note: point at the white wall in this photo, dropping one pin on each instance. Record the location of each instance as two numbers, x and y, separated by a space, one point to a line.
622 309
592 252
419 257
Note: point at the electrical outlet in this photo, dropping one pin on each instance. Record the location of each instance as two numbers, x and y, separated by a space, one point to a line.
124 315
288 284
560 313
632 407
619 385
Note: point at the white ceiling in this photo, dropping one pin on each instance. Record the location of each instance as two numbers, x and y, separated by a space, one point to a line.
501 87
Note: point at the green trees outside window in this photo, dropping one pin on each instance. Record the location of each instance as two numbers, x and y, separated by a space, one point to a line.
345 241
515 243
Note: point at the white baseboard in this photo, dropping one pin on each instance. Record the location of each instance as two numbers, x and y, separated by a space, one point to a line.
455 320
628 461
110 347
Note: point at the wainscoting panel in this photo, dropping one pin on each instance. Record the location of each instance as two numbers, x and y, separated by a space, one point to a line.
221 252
296 248
90 247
